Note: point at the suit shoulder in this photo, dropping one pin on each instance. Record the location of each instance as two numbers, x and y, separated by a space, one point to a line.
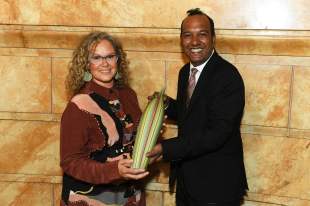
227 68
225 65
226 73
183 68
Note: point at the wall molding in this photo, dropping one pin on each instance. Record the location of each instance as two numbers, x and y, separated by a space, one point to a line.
242 42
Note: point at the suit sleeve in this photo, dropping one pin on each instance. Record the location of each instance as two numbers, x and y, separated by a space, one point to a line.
171 111
225 112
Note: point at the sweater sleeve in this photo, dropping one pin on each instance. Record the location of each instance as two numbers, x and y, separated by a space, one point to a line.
74 151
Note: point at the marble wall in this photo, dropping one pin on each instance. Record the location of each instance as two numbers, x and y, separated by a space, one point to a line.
270 49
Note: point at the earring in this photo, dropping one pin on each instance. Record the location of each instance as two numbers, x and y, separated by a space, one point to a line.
87 76
117 75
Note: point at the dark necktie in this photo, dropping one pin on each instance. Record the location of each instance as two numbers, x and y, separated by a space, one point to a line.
191 85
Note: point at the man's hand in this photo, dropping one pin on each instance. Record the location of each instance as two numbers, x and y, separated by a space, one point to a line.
155 154
166 99
125 170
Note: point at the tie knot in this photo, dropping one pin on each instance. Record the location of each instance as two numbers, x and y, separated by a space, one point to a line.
194 71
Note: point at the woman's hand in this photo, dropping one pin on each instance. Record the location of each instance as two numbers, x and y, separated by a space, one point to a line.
125 170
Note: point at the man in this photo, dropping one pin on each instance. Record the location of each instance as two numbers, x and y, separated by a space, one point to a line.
207 156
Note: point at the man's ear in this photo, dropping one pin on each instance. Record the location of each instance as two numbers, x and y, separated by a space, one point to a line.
213 40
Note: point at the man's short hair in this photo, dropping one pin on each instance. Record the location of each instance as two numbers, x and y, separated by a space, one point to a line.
197 11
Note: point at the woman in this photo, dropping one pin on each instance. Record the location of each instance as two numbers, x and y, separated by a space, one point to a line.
98 126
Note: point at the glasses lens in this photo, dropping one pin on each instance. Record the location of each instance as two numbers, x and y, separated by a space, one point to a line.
95 59
111 59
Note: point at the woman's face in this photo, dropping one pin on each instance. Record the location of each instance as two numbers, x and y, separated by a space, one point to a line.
103 64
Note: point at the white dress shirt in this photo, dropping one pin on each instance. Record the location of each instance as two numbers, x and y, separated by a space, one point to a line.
199 68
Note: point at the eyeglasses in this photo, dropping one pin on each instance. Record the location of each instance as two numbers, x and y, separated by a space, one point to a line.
97 59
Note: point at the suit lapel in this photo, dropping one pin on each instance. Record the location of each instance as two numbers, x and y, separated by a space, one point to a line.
200 85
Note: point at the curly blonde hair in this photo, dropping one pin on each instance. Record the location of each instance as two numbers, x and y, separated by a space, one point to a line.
80 62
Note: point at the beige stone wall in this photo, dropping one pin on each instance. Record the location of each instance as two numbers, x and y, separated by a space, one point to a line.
271 50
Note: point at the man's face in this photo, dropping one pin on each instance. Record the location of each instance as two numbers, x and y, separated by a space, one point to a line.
196 39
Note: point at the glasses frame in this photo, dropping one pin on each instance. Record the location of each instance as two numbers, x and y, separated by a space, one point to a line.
110 59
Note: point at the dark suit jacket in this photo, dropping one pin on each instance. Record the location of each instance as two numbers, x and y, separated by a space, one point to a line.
208 150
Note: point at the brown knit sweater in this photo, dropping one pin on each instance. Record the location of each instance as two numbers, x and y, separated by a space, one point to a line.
80 135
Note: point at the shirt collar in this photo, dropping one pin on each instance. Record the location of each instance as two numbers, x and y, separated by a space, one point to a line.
201 66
